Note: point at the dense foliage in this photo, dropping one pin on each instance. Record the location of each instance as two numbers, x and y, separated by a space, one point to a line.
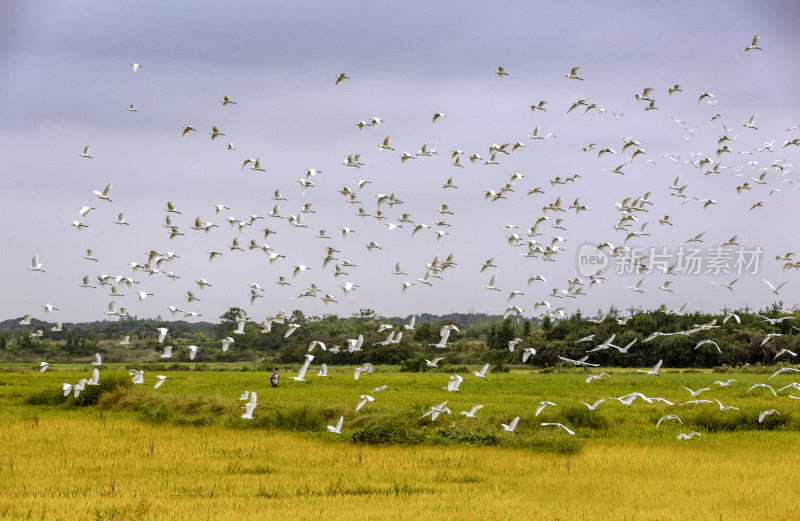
478 339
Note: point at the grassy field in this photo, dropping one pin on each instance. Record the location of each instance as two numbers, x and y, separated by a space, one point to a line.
182 452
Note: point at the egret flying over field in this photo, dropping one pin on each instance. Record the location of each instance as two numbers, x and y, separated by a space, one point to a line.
595 377
136 376
482 372
697 392
471 413
302 372
725 408
453 383
765 386
436 410
764 414
784 370
511 426
250 406
668 417
527 353
593 406
442 340
569 431
579 362
338 428
653 371
365 368
364 399
542 406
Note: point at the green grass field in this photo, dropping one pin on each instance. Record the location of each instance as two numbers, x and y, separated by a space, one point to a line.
182 451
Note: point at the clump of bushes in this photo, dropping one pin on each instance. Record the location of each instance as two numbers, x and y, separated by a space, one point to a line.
387 431
455 436
715 420
580 417
110 382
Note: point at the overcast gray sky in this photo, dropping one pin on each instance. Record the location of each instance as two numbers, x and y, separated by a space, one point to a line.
67 83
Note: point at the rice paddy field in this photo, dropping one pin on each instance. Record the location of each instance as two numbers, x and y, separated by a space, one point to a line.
183 452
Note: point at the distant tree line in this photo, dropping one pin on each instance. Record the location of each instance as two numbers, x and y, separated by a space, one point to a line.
478 339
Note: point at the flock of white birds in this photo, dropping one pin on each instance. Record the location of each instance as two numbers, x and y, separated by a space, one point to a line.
756 173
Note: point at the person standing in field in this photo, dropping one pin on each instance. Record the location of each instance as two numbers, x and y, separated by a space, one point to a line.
275 378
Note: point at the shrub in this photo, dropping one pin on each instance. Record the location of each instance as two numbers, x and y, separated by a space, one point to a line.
454 435
110 382
155 416
715 420
412 365
387 431
578 417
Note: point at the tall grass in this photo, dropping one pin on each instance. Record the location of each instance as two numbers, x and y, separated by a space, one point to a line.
87 467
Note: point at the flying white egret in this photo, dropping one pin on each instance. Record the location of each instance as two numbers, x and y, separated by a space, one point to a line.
569 431
765 386
783 370
250 406
302 372
511 426
527 353
542 405
471 413
593 406
136 376
482 372
595 377
442 340
668 417
697 392
364 399
579 362
365 368
653 371
104 195
764 414
291 328
35 264
354 344
338 428
436 410
453 383
725 408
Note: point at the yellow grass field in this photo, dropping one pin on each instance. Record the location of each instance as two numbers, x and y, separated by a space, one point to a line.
101 466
